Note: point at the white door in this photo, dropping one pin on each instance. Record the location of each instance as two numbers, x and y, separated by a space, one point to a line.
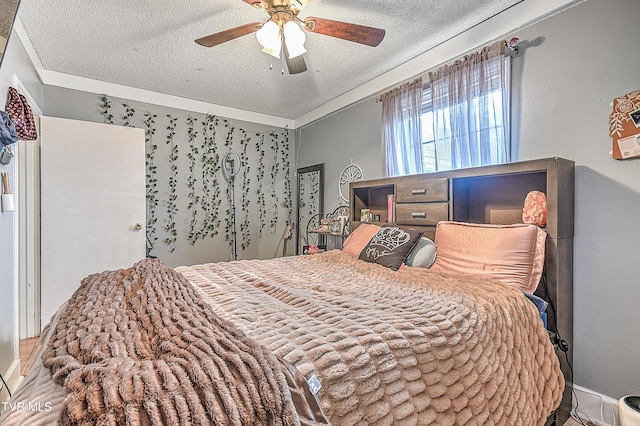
92 204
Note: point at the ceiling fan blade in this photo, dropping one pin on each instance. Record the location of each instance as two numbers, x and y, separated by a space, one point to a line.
295 65
230 34
353 32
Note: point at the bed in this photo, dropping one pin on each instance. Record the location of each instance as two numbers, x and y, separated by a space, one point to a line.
329 338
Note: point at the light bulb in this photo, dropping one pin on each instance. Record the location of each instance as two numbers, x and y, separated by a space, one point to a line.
269 37
294 38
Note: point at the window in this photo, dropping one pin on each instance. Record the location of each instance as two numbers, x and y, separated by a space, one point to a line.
469 124
426 130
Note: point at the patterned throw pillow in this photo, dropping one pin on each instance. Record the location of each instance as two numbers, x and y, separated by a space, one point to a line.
390 246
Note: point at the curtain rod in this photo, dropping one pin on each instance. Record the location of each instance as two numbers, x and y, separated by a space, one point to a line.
512 45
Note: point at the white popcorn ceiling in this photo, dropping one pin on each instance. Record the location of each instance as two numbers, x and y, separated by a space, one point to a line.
149 44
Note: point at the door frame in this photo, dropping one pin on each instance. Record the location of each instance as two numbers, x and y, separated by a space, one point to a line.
27 227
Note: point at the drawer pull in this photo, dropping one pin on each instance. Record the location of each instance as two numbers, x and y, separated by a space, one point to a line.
418 191
418 215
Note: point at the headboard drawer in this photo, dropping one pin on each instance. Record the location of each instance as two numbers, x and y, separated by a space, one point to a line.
420 190
424 214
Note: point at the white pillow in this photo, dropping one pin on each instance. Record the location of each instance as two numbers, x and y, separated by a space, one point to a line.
423 254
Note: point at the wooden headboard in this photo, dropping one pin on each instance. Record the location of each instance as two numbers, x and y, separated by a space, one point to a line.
492 194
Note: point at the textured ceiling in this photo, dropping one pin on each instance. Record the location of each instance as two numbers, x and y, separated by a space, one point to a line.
148 44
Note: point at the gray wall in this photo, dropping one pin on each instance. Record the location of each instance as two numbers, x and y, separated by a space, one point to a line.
353 134
15 62
570 68
78 105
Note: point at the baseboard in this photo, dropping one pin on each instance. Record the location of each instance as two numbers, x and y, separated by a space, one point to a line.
13 379
595 407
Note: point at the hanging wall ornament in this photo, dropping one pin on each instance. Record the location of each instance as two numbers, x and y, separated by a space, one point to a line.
351 173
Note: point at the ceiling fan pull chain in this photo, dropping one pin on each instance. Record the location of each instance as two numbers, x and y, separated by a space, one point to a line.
283 50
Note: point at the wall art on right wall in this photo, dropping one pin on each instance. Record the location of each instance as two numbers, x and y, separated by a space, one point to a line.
624 126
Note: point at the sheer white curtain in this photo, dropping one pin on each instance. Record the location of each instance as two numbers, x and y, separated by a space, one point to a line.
471 110
401 128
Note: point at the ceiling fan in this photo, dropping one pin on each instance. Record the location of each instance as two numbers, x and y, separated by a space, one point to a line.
283 31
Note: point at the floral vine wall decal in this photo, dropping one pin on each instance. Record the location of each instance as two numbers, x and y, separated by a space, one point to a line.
106 106
245 230
194 199
152 179
210 163
274 175
191 185
128 115
262 205
284 151
228 222
172 202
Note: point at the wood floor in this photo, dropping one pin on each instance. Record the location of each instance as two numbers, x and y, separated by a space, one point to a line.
28 350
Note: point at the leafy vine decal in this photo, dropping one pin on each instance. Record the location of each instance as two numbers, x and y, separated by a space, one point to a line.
228 220
262 205
210 200
128 115
245 229
152 179
284 150
106 106
274 175
194 200
172 206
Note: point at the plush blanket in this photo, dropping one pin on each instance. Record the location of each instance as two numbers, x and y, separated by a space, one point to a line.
138 346
411 347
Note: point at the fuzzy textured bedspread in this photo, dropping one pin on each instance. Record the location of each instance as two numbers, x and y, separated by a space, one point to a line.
411 347
138 346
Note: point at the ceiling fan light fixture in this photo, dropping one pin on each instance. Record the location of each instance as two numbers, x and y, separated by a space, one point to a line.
294 38
269 38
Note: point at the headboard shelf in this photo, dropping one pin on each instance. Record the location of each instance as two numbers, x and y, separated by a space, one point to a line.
491 194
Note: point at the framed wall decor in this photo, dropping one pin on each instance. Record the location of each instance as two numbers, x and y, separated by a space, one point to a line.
624 126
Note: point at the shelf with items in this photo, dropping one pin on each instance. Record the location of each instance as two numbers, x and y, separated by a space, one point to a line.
370 200
334 225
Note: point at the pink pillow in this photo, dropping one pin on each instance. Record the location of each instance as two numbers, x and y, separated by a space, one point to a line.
508 253
359 238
